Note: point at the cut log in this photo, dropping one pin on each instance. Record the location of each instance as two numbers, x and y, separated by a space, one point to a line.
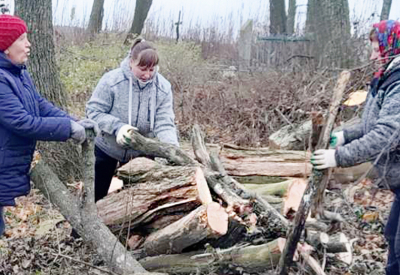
266 163
241 162
333 244
254 258
293 195
163 189
273 189
162 221
205 221
230 188
350 174
291 137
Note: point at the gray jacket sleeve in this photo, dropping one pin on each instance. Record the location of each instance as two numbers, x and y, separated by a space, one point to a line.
164 125
353 132
369 146
99 106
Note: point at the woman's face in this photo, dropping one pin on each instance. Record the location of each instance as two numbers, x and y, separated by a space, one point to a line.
19 51
143 73
375 50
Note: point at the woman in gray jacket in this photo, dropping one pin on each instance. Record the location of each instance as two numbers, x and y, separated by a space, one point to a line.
377 137
133 97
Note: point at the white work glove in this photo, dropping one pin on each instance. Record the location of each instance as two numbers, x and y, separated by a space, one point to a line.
90 124
323 159
337 139
124 136
77 132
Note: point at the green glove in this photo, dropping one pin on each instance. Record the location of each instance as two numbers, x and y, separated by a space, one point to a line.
337 139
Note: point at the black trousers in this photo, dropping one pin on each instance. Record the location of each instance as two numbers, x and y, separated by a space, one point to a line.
392 234
105 167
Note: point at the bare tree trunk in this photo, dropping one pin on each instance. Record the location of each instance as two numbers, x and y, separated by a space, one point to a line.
63 158
96 17
328 22
291 17
42 62
277 13
141 10
387 4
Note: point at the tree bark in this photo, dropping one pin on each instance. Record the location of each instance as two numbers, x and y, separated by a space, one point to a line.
291 17
141 10
42 61
96 17
265 163
277 15
328 22
162 189
209 220
387 4
254 258
338 92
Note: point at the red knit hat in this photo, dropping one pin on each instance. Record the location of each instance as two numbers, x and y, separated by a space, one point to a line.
11 27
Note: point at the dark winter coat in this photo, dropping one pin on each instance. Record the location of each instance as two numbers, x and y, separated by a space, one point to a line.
377 137
25 117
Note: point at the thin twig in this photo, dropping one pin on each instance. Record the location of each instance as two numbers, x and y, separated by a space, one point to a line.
284 118
87 264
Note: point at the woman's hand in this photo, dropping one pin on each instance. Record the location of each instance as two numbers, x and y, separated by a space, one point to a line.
124 136
337 139
322 159
78 133
90 124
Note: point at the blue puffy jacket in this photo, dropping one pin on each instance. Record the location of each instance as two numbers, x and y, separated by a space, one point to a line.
25 117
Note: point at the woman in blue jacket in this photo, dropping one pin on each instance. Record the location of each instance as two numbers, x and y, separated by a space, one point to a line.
25 116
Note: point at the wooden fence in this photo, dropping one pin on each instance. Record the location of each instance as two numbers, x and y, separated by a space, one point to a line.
281 52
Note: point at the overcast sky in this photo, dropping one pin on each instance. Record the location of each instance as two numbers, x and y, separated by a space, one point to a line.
203 13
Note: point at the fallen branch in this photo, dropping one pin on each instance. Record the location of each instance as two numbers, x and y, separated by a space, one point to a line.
83 214
315 183
253 257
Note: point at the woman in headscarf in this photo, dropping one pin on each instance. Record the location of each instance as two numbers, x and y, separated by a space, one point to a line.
377 137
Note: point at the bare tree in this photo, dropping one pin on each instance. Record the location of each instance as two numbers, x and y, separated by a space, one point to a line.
42 62
328 23
291 17
277 13
387 4
141 11
64 158
96 17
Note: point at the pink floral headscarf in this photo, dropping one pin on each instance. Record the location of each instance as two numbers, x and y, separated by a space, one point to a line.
388 35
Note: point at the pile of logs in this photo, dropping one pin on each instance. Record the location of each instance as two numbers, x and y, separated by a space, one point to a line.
195 215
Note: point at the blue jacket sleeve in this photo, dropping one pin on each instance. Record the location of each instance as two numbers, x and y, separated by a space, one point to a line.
15 118
47 109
